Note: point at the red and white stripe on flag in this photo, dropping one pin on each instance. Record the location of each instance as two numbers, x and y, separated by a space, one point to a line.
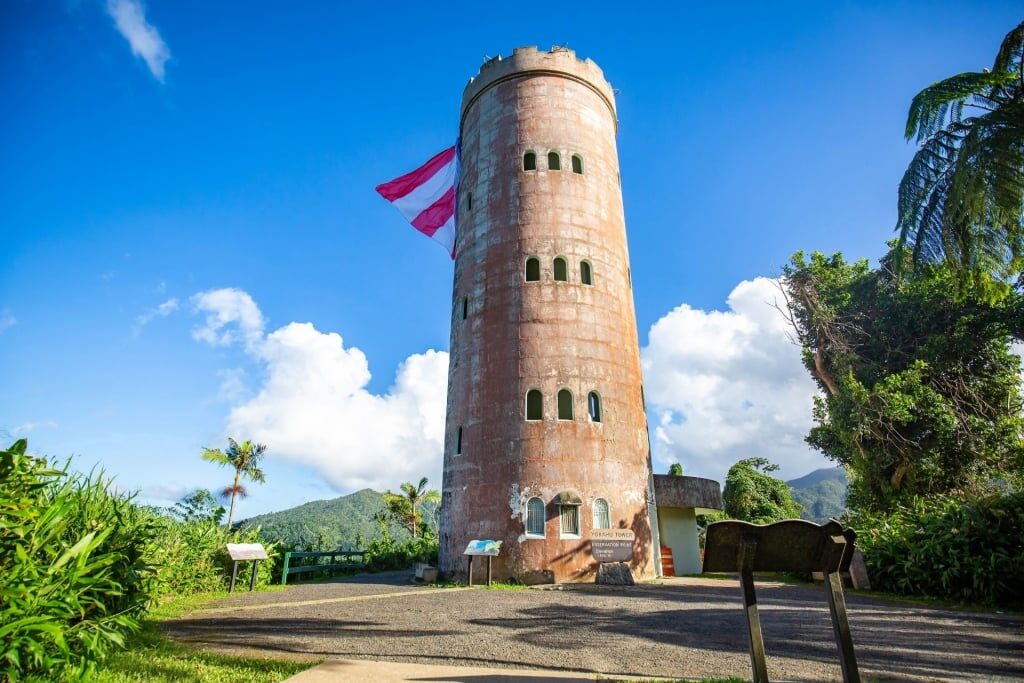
426 197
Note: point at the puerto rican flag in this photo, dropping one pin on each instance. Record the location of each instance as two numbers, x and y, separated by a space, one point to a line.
426 197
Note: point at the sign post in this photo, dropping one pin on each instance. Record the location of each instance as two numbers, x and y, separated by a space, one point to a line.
240 552
483 548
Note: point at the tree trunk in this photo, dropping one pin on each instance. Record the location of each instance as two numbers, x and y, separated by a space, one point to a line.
234 492
822 373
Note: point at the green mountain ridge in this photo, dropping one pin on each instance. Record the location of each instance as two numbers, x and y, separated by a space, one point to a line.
821 492
344 522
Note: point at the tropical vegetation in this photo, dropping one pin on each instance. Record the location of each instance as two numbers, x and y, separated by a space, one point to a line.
752 494
921 393
961 197
244 458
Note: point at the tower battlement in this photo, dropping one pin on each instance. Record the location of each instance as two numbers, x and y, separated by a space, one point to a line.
527 61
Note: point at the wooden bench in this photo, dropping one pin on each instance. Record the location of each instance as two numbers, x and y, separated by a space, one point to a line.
339 559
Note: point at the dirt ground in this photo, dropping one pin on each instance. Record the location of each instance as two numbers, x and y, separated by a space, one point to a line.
675 628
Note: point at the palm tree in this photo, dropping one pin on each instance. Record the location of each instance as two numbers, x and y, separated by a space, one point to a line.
961 198
405 508
244 458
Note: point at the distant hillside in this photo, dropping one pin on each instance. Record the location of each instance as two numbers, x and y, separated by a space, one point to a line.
822 493
328 524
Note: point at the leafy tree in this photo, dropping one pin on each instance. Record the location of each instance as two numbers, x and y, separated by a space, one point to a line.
244 458
962 195
405 508
921 391
753 495
198 506
675 470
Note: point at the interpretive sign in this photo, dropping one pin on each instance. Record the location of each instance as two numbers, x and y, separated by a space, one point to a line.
247 551
792 545
240 552
612 545
482 548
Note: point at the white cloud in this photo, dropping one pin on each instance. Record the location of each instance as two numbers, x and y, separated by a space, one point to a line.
163 493
726 385
130 18
161 311
7 321
29 427
313 406
231 315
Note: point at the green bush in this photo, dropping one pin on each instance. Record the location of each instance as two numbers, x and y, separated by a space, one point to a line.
385 553
968 550
74 578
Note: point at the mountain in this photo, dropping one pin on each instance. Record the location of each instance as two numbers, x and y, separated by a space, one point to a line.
330 524
822 493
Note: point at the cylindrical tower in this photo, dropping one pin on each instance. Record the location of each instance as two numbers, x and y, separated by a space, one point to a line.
546 432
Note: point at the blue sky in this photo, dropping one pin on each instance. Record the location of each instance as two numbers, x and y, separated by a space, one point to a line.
171 217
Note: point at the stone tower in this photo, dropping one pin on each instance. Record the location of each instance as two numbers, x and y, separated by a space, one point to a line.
546 431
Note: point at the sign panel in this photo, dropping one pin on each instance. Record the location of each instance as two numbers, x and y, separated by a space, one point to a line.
247 551
612 545
484 548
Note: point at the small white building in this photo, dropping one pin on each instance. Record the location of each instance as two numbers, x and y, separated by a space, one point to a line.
679 500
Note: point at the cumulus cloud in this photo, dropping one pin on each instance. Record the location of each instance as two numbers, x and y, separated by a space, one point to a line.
161 311
314 407
130 19
726 385
231 315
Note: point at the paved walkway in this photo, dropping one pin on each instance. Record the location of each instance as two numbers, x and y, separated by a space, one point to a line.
678 628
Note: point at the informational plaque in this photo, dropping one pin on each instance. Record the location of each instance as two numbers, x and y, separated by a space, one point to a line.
483 548
612 545
247 551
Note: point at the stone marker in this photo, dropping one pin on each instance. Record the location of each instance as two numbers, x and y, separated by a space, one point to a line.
859 571
614 574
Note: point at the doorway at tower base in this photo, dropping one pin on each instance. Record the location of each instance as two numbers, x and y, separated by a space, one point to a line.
680 500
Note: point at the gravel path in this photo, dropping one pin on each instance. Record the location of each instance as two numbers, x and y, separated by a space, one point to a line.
677 628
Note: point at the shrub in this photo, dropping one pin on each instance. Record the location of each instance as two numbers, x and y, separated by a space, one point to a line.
969 550
74 579
385 553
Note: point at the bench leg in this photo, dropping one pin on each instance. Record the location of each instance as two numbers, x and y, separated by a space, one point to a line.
757 657
841 627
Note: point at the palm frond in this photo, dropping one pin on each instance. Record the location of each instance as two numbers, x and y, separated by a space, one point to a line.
1010 50
941 103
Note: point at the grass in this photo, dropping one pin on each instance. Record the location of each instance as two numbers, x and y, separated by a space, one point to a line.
153 657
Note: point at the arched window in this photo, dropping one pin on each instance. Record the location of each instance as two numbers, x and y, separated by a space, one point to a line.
535 517
577 164
564 404
585 274
561 270
530 161
594 406
602 514
465 307
534 405
533 269
458 441
554 161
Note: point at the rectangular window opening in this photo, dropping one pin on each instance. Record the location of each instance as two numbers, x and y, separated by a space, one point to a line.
569 518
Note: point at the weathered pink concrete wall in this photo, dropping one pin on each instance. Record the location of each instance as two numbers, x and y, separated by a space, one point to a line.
546 335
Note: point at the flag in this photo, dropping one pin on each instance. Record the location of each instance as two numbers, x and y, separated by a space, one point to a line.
426 197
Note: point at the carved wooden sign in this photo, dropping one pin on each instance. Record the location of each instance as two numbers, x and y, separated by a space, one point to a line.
612 545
